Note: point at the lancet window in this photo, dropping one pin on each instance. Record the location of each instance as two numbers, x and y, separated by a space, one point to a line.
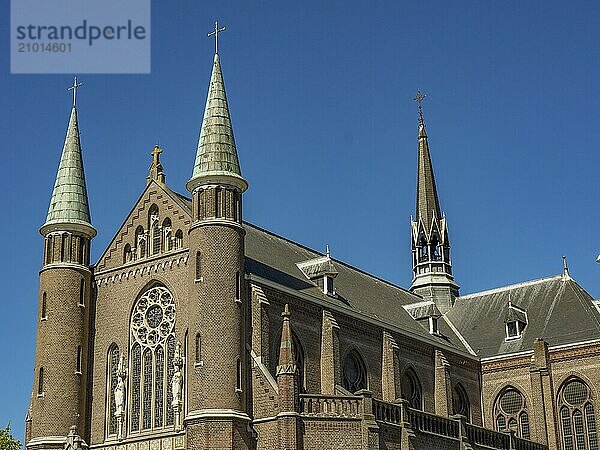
111 384
355 373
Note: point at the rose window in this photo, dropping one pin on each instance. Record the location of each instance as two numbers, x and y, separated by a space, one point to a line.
153 317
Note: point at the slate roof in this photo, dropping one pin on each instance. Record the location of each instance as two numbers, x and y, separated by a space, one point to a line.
274 258
69 201
216 154
558 311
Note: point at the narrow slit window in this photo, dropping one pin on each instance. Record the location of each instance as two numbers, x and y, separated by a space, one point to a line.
238 287
78 364
82 292
44 307
41 381
198 266
239 376
198 359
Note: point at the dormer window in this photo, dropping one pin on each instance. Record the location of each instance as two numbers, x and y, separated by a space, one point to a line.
321 271
433 325
515 321
328 285
426 314
514 329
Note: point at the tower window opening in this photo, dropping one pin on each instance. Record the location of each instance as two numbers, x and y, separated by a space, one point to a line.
218 202
63 247
49 249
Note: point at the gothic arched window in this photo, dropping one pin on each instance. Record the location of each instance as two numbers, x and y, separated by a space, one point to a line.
154 227
127 253
510 411
111 383
178 239
140 242
167 230
410 389
577 418
355 374
151 365
460 401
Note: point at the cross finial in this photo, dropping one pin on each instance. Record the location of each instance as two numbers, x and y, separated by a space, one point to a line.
566 274
216 35
156 154
419 99
74 89
327 250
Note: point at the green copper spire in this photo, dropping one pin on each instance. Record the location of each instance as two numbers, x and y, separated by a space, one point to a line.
216 157
69 208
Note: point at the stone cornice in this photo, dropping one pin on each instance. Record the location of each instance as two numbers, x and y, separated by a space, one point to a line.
161 262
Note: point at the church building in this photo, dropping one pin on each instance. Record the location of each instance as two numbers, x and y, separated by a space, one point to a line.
198 330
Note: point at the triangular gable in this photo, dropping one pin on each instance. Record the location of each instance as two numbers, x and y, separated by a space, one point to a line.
169 205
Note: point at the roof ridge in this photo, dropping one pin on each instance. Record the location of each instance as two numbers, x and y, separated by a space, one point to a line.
511 286
349 266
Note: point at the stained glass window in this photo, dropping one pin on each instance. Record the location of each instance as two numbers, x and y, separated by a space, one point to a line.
355 376
136 378
147 409
170 372
577 418
460 402
410 389
524 425
159 387
511 412
153 334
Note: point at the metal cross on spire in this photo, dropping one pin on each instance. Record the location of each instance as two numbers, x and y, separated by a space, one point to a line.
419 99
74 89
216 35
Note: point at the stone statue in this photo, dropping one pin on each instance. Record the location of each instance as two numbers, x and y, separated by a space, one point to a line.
176 385
177 376
120 397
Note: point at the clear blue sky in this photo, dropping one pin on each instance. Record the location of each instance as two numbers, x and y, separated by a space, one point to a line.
321 100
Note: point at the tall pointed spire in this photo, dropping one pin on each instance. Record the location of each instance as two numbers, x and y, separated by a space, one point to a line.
216 157
69 208
432 266
428 205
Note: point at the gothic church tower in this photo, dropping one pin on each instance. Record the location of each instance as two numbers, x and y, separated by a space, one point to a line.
217 306
61 360
432 266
